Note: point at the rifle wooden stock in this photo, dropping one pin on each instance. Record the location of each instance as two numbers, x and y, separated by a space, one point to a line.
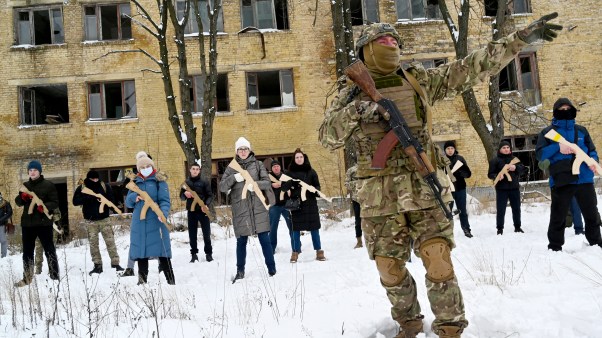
103 200
504 171
196 200
248 180
457 166
148 203
305 188
580 155
35 200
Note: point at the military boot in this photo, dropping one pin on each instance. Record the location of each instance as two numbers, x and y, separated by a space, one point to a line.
97 269
128 273
449 331
117 267
359 243
410 329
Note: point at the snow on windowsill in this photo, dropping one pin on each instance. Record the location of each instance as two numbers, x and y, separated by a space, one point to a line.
40 47
107 42
273 110
112 121
45 126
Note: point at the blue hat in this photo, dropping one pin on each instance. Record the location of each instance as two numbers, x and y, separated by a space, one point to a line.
35 164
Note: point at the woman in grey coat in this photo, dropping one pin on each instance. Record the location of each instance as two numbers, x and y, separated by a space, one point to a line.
249 216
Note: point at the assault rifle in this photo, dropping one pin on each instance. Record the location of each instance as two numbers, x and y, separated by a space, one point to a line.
35 200
248 180
580 155
196 200
148 203
400 132
504 171
103 200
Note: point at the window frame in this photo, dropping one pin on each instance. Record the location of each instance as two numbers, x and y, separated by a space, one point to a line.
426 11
102 102
30 10
98 18
516 73
191 25
196 101
364 9
254 8
528 8
23 90
253 76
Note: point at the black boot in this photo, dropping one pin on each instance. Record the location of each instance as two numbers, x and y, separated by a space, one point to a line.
97 269
128 273
117 267
500 231
208 257
239 275
142 271
194 258
518 229
272 272
167 270
467 233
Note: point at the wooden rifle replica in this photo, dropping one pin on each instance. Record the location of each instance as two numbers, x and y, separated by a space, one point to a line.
450 175
580 155
399 133
196 200
148 202
304 187
35 200
102 199
248 180
504 171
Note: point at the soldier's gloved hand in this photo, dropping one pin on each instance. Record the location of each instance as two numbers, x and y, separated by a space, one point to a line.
26 197
40 209
540 29
238 177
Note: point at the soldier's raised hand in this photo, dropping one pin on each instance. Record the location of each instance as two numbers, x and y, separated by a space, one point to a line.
540 29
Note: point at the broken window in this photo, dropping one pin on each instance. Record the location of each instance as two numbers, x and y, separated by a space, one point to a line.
417 9
523 147
191 25
112 100
40 26
46 104
363 12
264 14
426 63
523 78
221 101
514 7
107 22
270 89
116 178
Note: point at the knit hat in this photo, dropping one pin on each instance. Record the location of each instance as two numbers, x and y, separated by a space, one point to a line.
504 143
142 160
35 164
568 114
92 174
449 144
274 162
242 142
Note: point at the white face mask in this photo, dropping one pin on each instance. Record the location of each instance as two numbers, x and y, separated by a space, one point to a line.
146 171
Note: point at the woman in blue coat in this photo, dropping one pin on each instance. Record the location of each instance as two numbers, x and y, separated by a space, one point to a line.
149 238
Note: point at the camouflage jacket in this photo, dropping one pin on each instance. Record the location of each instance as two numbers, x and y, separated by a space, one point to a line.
398 187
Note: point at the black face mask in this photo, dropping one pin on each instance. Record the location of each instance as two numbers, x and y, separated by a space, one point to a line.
569 114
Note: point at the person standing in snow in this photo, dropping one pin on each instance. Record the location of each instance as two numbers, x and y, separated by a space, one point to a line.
278 209
249 215
6 212
461 174
564 184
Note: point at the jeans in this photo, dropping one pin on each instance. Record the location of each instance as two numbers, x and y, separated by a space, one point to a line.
193 221
275 212
3 241
315 239
460 199
502 197
266 248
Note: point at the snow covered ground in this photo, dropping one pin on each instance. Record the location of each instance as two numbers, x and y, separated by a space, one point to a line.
512 285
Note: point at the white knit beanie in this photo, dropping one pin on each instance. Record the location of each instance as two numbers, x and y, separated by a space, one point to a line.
242 142
142 159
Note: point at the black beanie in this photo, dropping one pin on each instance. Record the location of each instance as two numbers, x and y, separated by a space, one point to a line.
449 144
274 162
504 143
92 174
569 114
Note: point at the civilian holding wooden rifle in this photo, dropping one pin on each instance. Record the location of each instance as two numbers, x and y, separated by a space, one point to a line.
401 185
571 155
505 170
96 198
37 197
460 171
198 196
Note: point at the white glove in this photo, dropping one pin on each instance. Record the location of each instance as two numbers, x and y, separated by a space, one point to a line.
250 187
239 177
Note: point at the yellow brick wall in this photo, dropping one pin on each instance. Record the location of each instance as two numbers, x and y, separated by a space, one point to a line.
568 67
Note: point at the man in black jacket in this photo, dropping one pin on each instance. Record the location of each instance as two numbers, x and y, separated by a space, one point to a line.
96 221
460 175
505 189
37 224
203 189
277 209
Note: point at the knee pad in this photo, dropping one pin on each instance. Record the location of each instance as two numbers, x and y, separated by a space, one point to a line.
435 255
390 270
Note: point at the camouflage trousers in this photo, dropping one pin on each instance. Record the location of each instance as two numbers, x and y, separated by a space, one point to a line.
39 256
105 228
393 236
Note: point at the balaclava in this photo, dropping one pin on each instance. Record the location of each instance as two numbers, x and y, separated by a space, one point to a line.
569 114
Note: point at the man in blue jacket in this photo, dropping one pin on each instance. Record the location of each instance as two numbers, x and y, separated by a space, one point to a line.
564 185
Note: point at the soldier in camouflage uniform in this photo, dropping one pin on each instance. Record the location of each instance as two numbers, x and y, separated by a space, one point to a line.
396 204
